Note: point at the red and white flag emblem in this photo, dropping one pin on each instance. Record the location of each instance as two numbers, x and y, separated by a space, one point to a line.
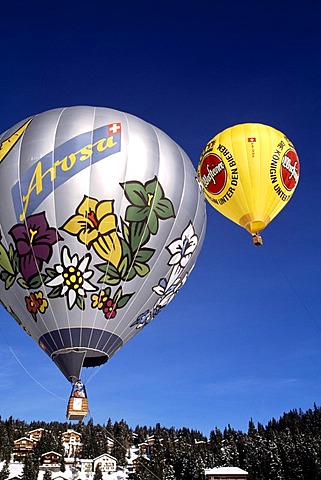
114 128
251 139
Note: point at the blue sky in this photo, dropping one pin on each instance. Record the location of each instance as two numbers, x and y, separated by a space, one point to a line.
243 337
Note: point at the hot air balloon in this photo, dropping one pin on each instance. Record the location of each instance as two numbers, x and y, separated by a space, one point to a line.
102 220
249 172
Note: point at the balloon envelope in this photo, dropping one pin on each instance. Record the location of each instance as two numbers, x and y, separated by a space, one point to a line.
103 220
249 172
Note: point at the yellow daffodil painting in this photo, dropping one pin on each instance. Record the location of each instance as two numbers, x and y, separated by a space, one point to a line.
124 253
95 225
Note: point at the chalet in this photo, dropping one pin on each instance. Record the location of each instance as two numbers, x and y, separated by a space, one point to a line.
21 448
36 434
51 460
145 447
106 462
86 465
225 473
71 441
25 445
132 455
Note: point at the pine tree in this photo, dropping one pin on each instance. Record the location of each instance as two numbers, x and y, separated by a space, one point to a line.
273 459
121 444
4 473
255 448
98 473
30 470
47 475
5 445
197 465
168 473
62 464
289 457
88 440
157 458
143 471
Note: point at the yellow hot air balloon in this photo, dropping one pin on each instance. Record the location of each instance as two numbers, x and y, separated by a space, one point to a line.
249 172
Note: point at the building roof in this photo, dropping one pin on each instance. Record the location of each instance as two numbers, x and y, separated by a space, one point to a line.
51 451
26 439
69 431
225 470
104 455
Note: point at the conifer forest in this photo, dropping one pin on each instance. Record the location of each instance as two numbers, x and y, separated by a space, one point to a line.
285 449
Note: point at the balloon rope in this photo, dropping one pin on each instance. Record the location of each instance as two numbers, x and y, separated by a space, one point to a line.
93 374
27 371
308 311
137 459
32 377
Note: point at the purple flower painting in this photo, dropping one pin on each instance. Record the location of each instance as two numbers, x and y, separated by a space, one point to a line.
34 240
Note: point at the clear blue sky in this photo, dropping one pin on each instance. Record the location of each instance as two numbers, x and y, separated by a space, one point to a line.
243 337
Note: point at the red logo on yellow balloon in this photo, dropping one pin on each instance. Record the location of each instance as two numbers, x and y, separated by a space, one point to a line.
290 169
213 174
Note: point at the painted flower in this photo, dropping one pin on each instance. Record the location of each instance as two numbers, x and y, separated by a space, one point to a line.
183 248
142 320
160 289
95 225
168 291
72 278
36 303
148 203
110 309
41 301
34 240
31 303
98 300
110 304
156 309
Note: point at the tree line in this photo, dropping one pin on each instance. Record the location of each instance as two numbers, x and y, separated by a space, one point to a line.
285 449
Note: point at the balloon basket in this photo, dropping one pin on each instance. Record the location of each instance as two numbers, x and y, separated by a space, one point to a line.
77 408
257 240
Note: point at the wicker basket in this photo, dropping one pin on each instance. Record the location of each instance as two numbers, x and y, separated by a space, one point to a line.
77 408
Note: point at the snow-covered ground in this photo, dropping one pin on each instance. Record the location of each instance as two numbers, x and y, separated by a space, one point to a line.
17 468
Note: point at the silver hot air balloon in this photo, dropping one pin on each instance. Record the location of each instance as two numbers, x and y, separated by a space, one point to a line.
103 221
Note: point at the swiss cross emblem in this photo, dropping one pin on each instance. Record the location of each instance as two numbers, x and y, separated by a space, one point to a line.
251 139
114 128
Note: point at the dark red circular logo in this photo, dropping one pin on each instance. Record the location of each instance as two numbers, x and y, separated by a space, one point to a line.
213 173
290 169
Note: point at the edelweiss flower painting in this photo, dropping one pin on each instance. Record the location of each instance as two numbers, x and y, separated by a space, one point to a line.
71 278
